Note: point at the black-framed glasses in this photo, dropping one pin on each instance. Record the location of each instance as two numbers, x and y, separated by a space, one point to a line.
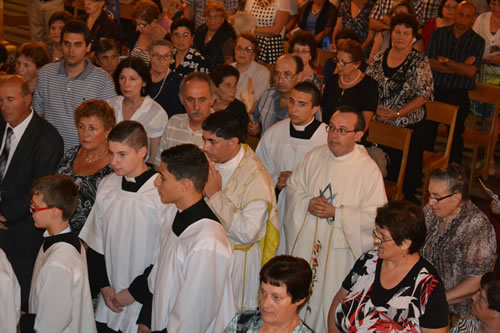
341 131
341 62
157 56
378 237
440 199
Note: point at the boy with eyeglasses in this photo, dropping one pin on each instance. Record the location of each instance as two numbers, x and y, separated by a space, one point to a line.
60 298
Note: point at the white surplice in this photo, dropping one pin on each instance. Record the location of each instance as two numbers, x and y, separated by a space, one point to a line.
280 151
60 291
354 185
10 296
124 227
191 280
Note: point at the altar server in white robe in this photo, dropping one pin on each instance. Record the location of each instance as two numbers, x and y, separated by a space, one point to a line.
59 298
240 192
191 279
123 226
332 198
10 296
285 144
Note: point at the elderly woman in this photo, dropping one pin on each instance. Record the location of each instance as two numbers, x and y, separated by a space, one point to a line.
446 17
30 57
225 78
56 23
186 58
254 78
98 21
145 16
392 288
460 240
485 308
346 87
271 16
214 39
285 285
133 82
405 84
302 44
88 163
165 83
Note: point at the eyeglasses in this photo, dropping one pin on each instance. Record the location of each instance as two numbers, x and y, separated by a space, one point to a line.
157 56
183 35
246 50
301 52
341 62
378 237
286 75
341 131
34 209
141 25
442 198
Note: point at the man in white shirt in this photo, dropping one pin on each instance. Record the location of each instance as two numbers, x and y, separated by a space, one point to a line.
286 143
240 192
332 198
197 94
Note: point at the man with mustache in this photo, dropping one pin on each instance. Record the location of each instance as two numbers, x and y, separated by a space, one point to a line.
196 93
273 104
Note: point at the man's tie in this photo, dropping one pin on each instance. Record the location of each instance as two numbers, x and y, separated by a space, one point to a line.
5 153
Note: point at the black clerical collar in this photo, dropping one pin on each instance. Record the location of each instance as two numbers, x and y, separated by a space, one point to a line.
188 216
307 133
139 180
67 237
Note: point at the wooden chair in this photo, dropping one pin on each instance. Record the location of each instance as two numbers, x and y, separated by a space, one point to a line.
397 138
445 114
321 57
488 94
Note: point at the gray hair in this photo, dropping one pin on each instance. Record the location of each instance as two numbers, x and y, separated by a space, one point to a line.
160 42
454 177
197 76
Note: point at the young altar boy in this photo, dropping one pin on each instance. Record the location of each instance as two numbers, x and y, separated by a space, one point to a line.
191 279
59 298
123 226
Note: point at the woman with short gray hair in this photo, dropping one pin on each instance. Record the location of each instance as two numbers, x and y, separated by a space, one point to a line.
460 241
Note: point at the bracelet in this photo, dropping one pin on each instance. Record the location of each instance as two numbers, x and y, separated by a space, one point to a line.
397 114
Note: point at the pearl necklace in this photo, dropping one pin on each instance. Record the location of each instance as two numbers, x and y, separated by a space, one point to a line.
88 160
349 83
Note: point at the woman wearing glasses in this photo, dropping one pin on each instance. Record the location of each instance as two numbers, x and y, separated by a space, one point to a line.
460 240
349 83
405 84
303 45
186 59
392 288
214 39
145 16
254 78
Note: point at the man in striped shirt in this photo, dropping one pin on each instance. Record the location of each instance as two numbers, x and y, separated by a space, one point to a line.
455 53
64 85
197 94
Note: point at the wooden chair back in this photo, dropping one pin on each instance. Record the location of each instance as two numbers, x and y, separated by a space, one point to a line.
445 114
396 138
322 56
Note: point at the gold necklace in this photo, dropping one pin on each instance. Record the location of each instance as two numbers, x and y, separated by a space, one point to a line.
88 160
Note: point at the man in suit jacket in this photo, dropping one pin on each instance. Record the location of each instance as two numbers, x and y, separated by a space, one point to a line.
30 148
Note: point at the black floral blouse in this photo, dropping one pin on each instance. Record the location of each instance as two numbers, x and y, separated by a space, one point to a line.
412 79
464 249
193 62
87 187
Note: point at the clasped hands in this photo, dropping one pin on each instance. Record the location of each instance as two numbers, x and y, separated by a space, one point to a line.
385 113
320 207
116 301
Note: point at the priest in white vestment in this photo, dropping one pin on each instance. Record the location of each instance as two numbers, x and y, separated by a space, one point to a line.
241 193
332 198
285 144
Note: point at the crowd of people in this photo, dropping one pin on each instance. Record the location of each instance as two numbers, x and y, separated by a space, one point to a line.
131 202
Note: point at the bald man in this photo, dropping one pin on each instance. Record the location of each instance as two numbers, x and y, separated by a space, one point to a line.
455 53
30 148
273 104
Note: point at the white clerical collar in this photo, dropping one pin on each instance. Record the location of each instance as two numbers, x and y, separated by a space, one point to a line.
66 230
343 157
130 179
301 127
226 169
